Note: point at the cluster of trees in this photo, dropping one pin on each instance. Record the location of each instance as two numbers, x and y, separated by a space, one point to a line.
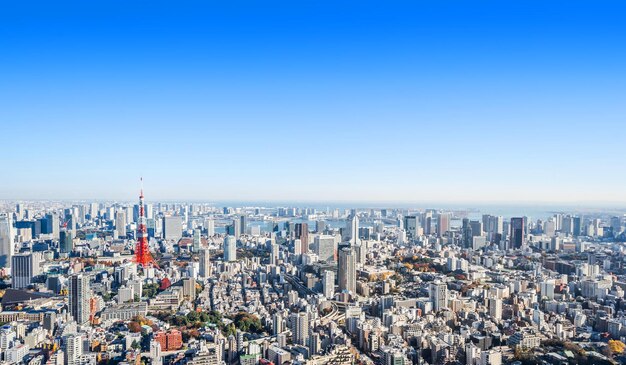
247 322
241 321
150 290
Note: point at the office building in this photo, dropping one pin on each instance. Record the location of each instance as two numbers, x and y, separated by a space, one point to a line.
518 232
347 270
23 268
301 233
172 228
325 247
300 328
79 296
7 248
439 295
411 225
230 248
120 223
205 263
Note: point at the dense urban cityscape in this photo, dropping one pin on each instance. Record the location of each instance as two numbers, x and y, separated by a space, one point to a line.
196 283
312 182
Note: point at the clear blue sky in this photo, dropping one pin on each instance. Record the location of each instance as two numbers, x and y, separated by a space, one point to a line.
434 101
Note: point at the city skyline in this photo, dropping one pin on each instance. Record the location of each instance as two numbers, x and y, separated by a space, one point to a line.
450 103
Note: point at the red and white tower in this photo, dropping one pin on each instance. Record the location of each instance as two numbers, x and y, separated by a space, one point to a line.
142 252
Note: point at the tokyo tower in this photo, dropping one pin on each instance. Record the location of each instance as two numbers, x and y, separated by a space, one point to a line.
142 253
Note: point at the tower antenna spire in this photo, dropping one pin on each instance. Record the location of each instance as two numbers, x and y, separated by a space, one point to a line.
142 251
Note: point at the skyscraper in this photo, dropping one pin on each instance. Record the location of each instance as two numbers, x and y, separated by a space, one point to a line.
443 224
325 247
518 232
352 228
6 241
347 270
197 237
73 349
205 263
79 297
328 284
301 232
52 221
466 234
300 328
23 268
172 228
243 224
274 252
410 226
438 295
230 248
120 223
66 241
209 225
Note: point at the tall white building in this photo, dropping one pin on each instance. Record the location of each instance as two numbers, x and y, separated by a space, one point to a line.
439 295
495 308
274 252
328 284
325 247
6 241
347 270
172 228
205 263
352 229
197 238
73 349
79 297
209 225
230 248
120 223
300 328
155 353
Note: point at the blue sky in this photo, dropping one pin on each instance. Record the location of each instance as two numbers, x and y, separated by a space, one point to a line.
434 101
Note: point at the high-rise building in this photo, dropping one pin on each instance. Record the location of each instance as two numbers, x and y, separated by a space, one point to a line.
6 241
79 297
156 352
495 308
23 268
243 224
189 288
466 234
73 349
230 248
205 263
301 232
52 220
274 252
197 238
120 223
410 224
443 224
300 328
328 284
347 270
438 295
352 228
325 246
66 241
518 232
209 225
477 228
172 228
320 226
